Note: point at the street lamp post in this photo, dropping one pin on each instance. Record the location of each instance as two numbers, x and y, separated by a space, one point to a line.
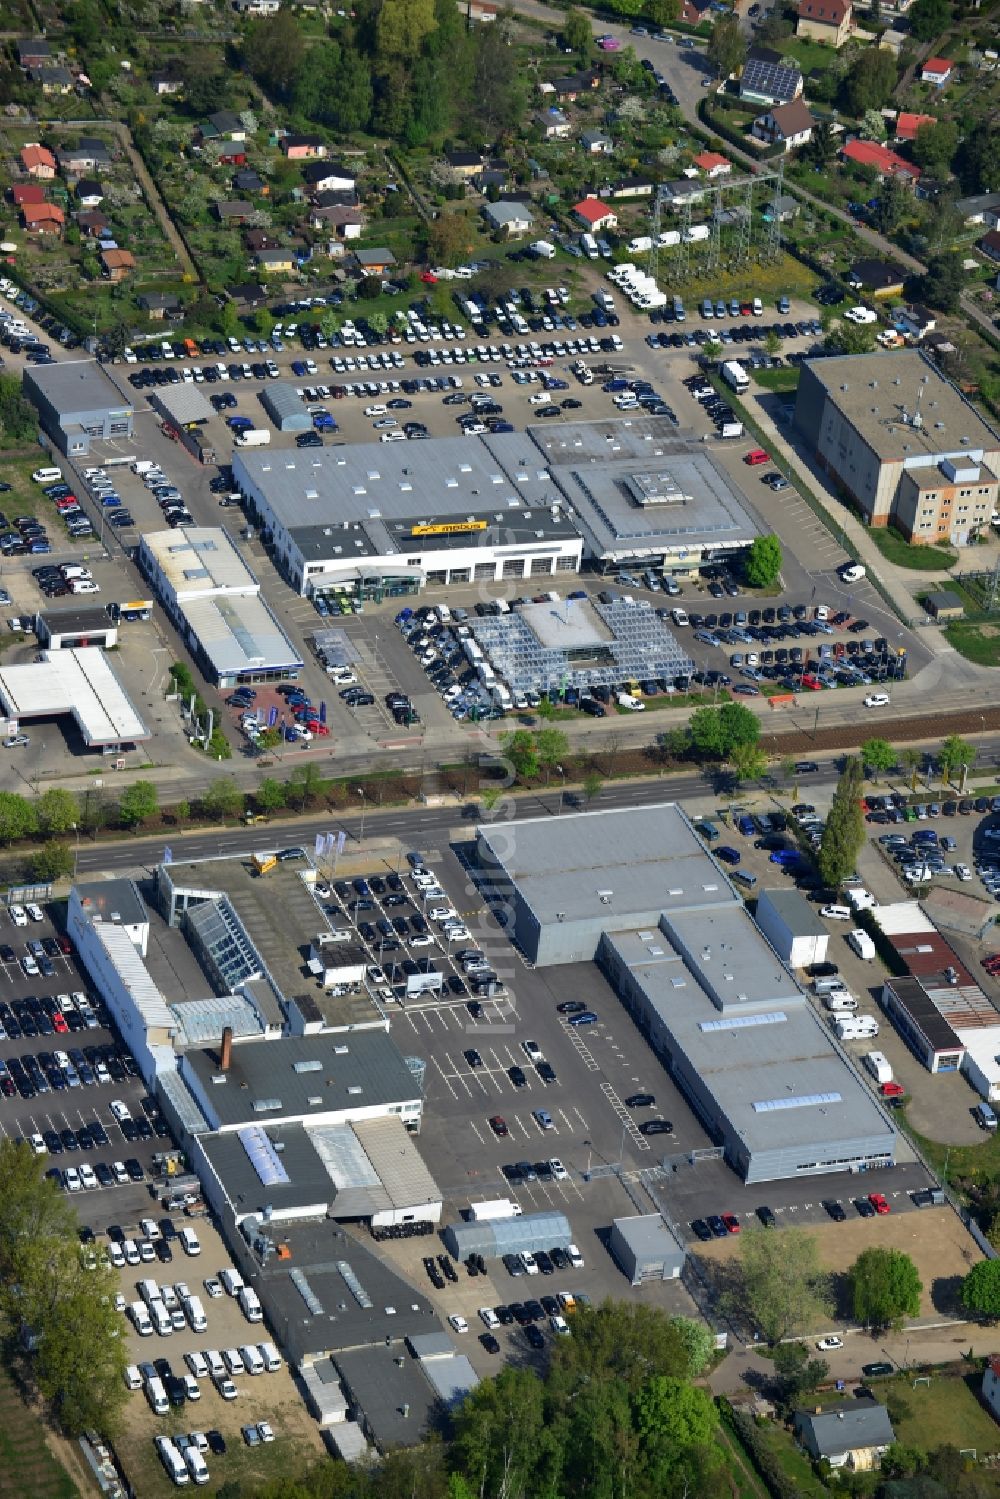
76 850
562 787
360 791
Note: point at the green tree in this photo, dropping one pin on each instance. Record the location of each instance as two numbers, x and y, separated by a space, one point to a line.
81 1353
270 795
499 91
663 12
941 286
34 1215
935 146
223 798
622 1340
748 762
17 817
885 1288
928 19
52 861
797 1374
500 1430
138 803
851 338
772 342
699 1341
593 781
521 750
218 745
272 52
305 785
870 81
878 756
449 238
953 754
844 833
705 732
873 127
763 562
551 747
780 1289
981 1290
727 47
58 811
333 87
823 145
893 201
740 727
401 27
18 418
674 1420
268 739
578 32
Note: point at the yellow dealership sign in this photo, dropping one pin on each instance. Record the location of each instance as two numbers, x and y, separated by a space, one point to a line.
449 528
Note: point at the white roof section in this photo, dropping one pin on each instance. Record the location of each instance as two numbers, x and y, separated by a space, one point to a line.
134 975
902 919
199 561
397 1162
202 1021
80 682
178 1095
238 633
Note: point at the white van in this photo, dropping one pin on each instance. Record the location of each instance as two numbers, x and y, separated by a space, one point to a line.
197 1466
252 1361
232 1280
840 1000
141 1319
149 1291
132 1377
162 1318
195 1313
171 1459
157 1396
249 1304
679 616
47 475
189 1241
877 700
271 1357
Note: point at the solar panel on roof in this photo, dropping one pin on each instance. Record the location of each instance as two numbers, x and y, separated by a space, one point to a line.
761 77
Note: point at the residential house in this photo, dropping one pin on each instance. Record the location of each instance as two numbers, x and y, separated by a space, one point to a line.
94 224
165 83
235 211
713 165
33 54
508 219
257 7
879 278
491 177
684 190
630 187
232 156
303 147
328 177
26 192
568 90
596 143
375 262
695 11
982 209
916 322
53 80
553 124
224 125
936 70
248 296
595 215
89 193
990 244
116 264
270 262
784 210
38 162
464 164
894 40
249 181
43 218
826 21
766 79
327 208
885 162
907 124
479 12
89 156
791 125
158 305
346 223
853 1434
256 240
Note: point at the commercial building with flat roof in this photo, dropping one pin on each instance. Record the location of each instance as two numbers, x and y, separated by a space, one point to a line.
284 406
215 601
66 629
645 1249
792 927
78 404
639 892
902 442
645 495
79 683
394 517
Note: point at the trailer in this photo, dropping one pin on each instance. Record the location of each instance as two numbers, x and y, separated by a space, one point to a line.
736 376
496 1207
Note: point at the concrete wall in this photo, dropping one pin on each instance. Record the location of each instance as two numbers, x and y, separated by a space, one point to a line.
794 948
842 452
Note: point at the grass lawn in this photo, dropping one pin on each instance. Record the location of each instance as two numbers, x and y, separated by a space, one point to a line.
26 1464
784 379
980 1161
739 1468
924 559
808 54
979 643
794 1462
946 1410
783 277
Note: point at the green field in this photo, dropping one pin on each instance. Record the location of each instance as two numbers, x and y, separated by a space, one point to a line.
27 1467
781 380
945 1411
923 559
979 643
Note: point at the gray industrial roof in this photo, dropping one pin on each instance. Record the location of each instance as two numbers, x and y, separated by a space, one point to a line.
83 621
363 1069
648 1236
114 900
238 633
771 1066
738 967
201 1021
608 866
308 1182
182 404
398 1400
796 912
73 385
848 1425
283 403
640 485
874 391
453 1378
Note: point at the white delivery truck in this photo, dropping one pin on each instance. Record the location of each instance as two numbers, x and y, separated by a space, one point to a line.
543 249
604 300
195 1313
639 244
860 942
731 429
855 1027
253 437
157 1396
696 234
736 376
250 1304
588 244
877 1064
496 1207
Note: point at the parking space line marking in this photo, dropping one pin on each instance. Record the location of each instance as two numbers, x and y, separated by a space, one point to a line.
444 1079
475 1130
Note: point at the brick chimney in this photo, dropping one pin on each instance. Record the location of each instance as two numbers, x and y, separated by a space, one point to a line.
225 1061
